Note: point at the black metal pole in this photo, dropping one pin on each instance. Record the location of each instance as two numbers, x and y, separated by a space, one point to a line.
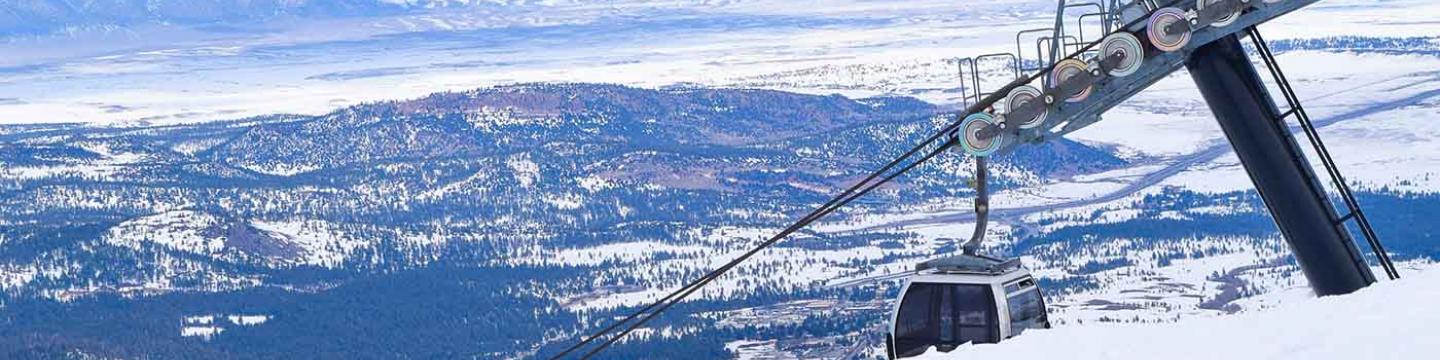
1275 163
982 207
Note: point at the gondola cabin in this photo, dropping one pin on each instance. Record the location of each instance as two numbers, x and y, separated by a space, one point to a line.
964 299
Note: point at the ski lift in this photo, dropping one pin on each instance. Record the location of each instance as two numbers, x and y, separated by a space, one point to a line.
973 298
965 299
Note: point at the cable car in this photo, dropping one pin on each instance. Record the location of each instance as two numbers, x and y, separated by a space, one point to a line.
964 299
967 298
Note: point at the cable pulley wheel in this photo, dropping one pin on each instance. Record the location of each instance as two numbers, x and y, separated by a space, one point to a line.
1163 19
970 138
1123 44
1221 22
1022 95
1066 70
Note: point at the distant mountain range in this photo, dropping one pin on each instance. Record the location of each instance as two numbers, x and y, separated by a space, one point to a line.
467 177
507 220
42 17
487 182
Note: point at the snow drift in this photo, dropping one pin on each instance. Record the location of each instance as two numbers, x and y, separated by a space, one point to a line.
1389 320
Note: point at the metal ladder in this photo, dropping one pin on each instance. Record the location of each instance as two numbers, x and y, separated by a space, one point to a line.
1303 118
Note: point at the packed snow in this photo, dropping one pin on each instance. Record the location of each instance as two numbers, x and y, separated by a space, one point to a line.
1389 320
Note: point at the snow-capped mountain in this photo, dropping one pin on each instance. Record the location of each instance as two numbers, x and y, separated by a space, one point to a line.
401 184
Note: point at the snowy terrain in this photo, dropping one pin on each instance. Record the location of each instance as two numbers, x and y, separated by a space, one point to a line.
305 66
1127 244
1390 320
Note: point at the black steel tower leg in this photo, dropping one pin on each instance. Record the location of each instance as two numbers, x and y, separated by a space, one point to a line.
1275 163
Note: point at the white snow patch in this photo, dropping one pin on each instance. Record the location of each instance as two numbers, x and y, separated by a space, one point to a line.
527 172
200 320
14 277
565 201
594 183
203 332
281 169
247 320
323 244
184 230
621 252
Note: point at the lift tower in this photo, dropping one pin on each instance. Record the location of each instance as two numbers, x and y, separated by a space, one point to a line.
1076 78
1273 159
1071 79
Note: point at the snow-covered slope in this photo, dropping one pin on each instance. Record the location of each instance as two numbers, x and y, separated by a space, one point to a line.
1390 320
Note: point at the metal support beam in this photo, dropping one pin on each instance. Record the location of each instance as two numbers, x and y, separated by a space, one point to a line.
1275 163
